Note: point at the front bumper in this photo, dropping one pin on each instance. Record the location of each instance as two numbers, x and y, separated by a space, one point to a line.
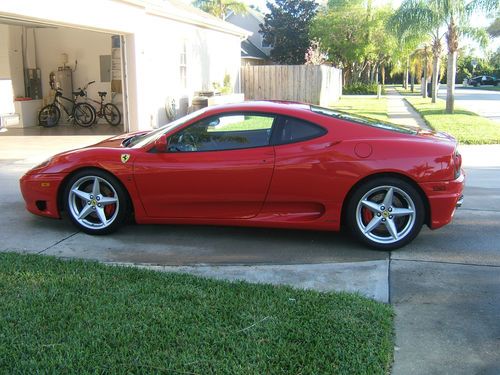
40 193
444 197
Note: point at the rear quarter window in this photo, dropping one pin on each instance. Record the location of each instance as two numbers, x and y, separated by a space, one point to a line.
295 130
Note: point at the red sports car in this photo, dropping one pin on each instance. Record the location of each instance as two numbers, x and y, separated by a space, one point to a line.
267 164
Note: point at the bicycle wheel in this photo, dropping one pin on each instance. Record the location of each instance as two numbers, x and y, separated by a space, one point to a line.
112 114
49 116
84 114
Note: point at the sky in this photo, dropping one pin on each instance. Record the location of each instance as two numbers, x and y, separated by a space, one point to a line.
478 20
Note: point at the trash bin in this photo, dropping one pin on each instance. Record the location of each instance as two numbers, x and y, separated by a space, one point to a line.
199 102
429 89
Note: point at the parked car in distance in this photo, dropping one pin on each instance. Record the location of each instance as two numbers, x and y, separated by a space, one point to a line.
264 163
483 80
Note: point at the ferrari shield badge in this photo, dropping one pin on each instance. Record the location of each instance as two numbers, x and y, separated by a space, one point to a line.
125 158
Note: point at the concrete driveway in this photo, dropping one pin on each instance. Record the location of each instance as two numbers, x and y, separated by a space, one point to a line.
483 102
320 260
445 286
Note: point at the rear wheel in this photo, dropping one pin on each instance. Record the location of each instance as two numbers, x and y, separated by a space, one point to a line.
49 116
386 213
96 202
112 114
84 114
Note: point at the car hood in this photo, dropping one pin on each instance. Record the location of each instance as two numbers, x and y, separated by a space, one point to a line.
117 141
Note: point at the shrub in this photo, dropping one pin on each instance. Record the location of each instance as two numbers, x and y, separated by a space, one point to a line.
359 88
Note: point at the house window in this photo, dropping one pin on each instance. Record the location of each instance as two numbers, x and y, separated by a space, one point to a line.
183 66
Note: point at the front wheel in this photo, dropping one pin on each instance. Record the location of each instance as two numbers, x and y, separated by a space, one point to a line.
96 202
112 114
49 116
84 114
386 213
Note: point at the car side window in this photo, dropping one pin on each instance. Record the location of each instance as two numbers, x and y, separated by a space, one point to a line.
296 130
224 132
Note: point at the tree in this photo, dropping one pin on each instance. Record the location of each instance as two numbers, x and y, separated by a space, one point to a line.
286 28
355 36
315 55
422 17
381 45
220 8
454 15
494 28
343 36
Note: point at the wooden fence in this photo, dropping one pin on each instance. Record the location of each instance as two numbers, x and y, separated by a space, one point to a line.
315 84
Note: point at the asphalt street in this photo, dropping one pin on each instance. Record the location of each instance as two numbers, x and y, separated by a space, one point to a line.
444 286
484 102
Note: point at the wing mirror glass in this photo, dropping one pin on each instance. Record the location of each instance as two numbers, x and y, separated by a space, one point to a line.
214 123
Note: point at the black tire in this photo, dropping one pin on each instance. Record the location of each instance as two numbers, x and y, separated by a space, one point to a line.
404 217
95 211
112 114
49 116
84 114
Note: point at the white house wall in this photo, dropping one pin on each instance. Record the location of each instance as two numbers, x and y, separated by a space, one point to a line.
210 56
152 44
4 52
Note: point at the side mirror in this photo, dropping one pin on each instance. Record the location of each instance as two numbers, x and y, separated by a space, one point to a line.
214 123
161 143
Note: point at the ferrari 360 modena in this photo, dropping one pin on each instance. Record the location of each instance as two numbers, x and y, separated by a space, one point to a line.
262 164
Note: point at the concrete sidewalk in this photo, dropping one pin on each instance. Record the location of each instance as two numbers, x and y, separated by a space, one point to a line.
401 112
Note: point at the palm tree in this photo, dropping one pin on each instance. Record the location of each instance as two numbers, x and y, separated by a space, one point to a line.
417 17
419 63
220 8
430 16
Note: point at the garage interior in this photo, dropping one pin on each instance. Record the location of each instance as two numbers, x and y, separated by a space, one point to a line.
37 58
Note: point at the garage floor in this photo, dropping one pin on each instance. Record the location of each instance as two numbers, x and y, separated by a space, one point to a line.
97 129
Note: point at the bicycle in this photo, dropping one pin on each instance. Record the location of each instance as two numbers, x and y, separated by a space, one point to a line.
81 113
109 111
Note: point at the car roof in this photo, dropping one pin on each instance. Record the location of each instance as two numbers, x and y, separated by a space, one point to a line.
279 106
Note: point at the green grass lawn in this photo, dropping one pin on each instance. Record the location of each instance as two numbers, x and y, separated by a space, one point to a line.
408 91
368 107
467 127
83 317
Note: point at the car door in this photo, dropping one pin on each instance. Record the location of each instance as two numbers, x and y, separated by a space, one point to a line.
219 167
300 182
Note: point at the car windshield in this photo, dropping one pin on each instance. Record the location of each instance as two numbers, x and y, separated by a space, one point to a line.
143 139
362 120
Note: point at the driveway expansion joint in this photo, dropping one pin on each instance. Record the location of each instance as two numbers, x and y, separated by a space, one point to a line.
389 261
58 242
442 262
478 209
